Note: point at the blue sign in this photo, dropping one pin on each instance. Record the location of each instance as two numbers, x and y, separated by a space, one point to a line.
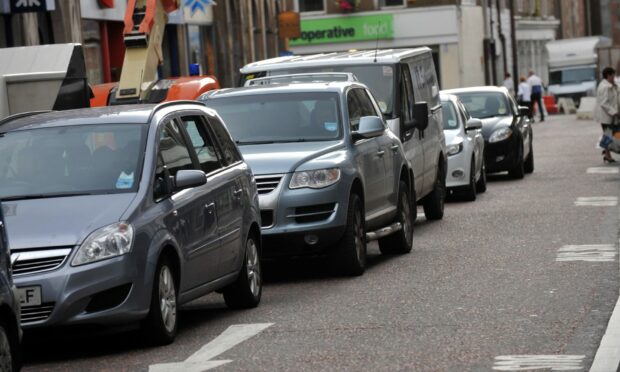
195 5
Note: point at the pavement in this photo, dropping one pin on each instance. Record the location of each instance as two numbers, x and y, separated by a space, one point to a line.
527 276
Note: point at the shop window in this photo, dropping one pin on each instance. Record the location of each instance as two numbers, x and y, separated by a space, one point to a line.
311 5
390 3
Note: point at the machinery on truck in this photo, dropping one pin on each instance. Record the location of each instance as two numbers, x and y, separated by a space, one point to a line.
574 66
145 21
42 77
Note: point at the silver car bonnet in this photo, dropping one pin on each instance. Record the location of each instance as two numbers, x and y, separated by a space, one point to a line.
278 158
56 222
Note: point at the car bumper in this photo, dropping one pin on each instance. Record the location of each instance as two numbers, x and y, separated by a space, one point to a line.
501 156
100 293
458 170
303 221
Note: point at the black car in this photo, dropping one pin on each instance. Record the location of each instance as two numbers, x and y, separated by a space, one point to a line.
10 331
506 129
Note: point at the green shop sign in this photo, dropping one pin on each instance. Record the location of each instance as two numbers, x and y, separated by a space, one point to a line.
345 29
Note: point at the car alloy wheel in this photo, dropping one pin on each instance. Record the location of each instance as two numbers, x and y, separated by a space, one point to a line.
167 299
253 268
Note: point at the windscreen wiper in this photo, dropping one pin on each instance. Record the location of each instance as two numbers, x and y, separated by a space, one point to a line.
253 142
43 196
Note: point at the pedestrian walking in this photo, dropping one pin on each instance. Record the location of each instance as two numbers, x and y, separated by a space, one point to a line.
524 95
606 110
509 84
536 85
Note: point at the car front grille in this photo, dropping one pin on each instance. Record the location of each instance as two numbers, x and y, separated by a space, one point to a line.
268 183
314 213
29 262
31 314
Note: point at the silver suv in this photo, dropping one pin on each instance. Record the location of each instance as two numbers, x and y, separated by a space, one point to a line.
404 82
330 174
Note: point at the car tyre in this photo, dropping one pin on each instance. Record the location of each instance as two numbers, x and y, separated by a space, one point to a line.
401 241
468 193
160 325
481 185
518 171
6 359
434 202
528 167
349 257
246 292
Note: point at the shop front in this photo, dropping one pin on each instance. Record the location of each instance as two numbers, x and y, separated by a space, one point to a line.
442 28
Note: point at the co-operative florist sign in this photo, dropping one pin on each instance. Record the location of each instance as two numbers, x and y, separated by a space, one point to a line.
345 29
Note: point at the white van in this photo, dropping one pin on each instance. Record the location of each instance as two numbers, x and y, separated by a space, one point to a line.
405 85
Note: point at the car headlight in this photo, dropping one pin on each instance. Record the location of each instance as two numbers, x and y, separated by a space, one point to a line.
454 149
109 241
500 134
315 179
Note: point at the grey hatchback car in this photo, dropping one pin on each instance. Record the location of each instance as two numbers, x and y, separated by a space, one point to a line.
121 214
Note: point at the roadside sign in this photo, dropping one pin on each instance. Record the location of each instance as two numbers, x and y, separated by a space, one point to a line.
345 29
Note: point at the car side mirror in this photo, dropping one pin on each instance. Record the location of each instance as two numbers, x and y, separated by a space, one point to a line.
473 124
186 179
420 117
370 127
524 111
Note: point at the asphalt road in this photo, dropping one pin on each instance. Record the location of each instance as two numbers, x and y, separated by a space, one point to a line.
482 283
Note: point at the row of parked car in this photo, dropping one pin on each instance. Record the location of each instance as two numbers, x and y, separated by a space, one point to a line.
120 215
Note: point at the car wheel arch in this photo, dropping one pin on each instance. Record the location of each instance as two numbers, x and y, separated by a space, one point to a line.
358 188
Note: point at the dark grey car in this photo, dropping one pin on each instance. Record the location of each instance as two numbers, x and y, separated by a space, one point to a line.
10 331
121 214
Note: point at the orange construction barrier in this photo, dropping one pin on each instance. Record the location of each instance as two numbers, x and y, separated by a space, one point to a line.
550 105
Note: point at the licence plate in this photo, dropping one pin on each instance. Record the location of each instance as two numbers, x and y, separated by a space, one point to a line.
29 296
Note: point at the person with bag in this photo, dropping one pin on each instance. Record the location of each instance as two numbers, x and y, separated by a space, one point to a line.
606 111
524 95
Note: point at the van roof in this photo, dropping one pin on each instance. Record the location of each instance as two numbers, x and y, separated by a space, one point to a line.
361 57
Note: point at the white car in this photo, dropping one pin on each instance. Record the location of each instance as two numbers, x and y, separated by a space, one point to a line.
465 148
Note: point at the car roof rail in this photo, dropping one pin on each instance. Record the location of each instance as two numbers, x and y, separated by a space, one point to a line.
22 115
174 103
314 77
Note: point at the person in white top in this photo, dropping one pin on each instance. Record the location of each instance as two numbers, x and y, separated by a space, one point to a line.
509 84
524 94
536 85
606 109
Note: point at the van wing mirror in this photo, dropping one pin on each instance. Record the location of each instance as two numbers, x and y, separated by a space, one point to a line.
420 116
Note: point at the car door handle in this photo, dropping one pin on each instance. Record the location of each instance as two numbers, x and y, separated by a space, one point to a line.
210 206
394 148
380 153
237 193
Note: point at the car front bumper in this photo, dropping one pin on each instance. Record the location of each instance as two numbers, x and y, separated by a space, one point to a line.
303 221
458 169
100 293
501 156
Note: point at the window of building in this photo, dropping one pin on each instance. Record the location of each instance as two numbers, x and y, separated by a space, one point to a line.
305 6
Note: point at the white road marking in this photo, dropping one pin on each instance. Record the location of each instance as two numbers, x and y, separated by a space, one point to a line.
201 360
587 253
603 170
597 201
531 362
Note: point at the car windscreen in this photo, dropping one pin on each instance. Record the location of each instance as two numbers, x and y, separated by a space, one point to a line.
378 78
572 76
280 117
484 105
71 160
450 120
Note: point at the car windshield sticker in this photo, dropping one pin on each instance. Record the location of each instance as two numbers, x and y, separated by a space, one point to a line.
451 123
501 111
125 181
331 126
387 71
